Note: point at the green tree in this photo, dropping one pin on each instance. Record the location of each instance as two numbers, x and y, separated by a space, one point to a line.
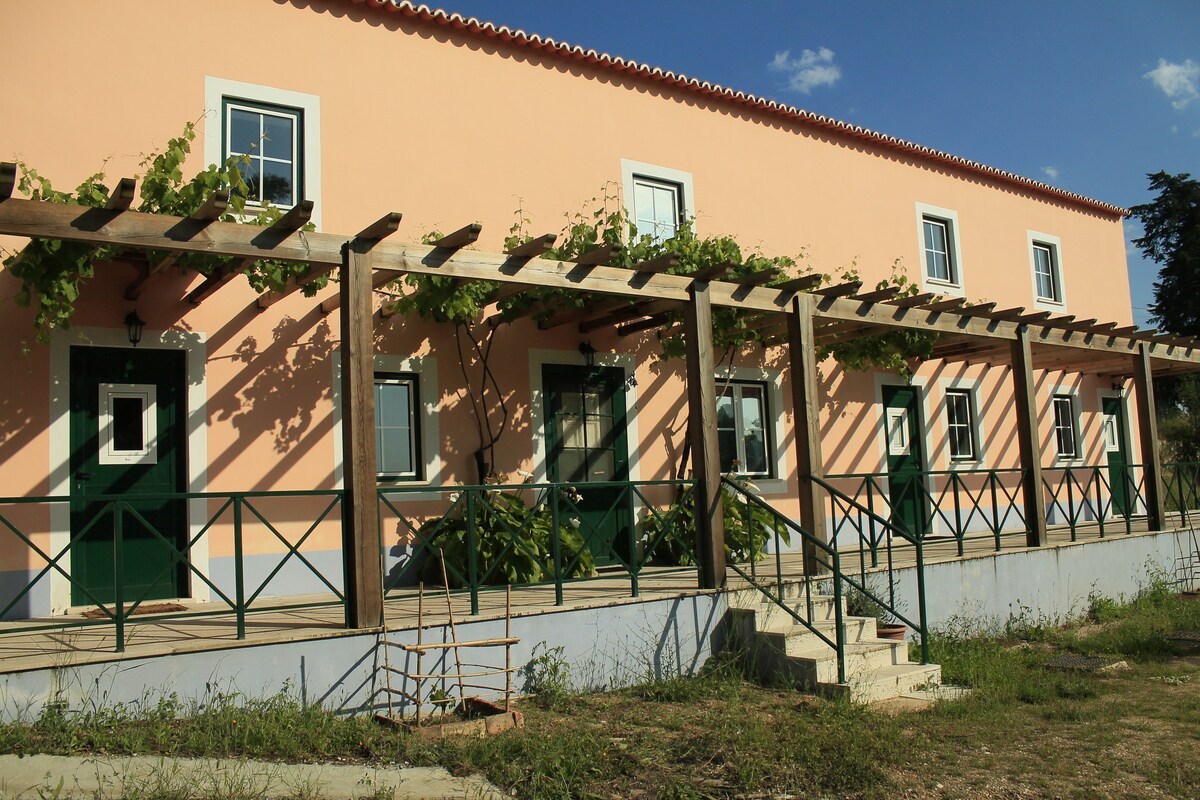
1171 239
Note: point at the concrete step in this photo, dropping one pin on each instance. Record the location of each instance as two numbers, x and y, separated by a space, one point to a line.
862 658
893 681
854 629
822 606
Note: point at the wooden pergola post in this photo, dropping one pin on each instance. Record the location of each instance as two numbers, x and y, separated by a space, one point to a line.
363 569
806 406
1027 438
1143 389
702 434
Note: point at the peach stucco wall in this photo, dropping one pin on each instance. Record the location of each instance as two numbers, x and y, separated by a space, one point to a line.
451 130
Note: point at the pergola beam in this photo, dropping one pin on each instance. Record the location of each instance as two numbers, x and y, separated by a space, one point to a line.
321 251
295 219
534 247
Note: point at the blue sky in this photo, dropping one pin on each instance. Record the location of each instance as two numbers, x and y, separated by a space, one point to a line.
1087 95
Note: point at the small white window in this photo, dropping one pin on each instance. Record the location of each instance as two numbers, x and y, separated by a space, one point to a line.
939 259
279 129
742 432
1065 434
938 246
659 208
897 432
397 439
658 200
1112 434
960 424
128 423
1045 262
270 137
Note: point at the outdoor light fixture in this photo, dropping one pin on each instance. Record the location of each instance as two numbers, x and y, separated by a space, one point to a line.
135 325
589 353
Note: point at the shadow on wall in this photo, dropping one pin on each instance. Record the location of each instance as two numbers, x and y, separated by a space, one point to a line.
276 393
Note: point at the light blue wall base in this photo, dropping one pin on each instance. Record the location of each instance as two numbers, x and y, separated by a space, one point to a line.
1048 585
35 603
293 578
605 647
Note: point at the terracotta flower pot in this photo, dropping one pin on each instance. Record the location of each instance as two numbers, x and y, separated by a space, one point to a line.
891 630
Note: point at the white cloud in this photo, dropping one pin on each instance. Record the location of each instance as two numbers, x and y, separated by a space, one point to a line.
1050 172
812 69
1177 81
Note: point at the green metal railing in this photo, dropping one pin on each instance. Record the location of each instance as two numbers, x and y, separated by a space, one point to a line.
238 510
549 534
1181 484
823 568
1094 495
962 504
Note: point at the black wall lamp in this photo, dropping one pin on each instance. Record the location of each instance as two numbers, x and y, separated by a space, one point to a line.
588 352
135 324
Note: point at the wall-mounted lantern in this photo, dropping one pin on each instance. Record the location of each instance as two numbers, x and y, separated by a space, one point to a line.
135 324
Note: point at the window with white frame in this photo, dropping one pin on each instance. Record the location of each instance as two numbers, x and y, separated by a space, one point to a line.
1047 282
939 250
269 140
657 199
742 432
397 434
658 207
960 424
1066 437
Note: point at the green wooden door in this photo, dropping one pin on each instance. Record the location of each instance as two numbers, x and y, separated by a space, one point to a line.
586 443
905 459
1118 462
127 439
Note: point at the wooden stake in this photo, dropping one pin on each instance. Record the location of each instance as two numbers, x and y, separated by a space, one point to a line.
453 630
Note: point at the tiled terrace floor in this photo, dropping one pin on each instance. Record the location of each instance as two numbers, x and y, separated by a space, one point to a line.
148 636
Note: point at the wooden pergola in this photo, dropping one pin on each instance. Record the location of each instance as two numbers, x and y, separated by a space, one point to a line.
796 313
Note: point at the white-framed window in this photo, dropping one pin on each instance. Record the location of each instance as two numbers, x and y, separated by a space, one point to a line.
1066 429
960 425
940 253
657 199
128 423
397 426
280 131
743 432
270 139
1045 261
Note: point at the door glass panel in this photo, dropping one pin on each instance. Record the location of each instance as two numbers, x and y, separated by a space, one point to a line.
571 466
897 427
128 424
603 466
570 432
1112 442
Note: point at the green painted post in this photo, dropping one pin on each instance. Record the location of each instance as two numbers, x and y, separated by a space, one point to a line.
839 630
239 567
995 508
959 531
923 619
556 537
634 559
472 552
119 573
1070 478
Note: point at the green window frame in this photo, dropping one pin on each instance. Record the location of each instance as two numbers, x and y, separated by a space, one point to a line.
272 138
398 427
744 428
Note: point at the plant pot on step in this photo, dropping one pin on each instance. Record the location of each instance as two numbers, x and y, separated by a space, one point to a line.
891 630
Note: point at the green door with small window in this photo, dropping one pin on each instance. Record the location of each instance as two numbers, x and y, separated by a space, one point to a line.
127 440
905 459
586 443
1118 462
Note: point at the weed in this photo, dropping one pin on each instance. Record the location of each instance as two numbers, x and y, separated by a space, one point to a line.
547 676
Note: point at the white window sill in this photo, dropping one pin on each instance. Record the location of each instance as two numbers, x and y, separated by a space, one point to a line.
1053 306
942 287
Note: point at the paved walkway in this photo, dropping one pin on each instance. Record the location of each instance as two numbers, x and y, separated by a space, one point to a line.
108 778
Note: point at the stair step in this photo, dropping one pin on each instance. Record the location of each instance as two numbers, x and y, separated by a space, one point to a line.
893 681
